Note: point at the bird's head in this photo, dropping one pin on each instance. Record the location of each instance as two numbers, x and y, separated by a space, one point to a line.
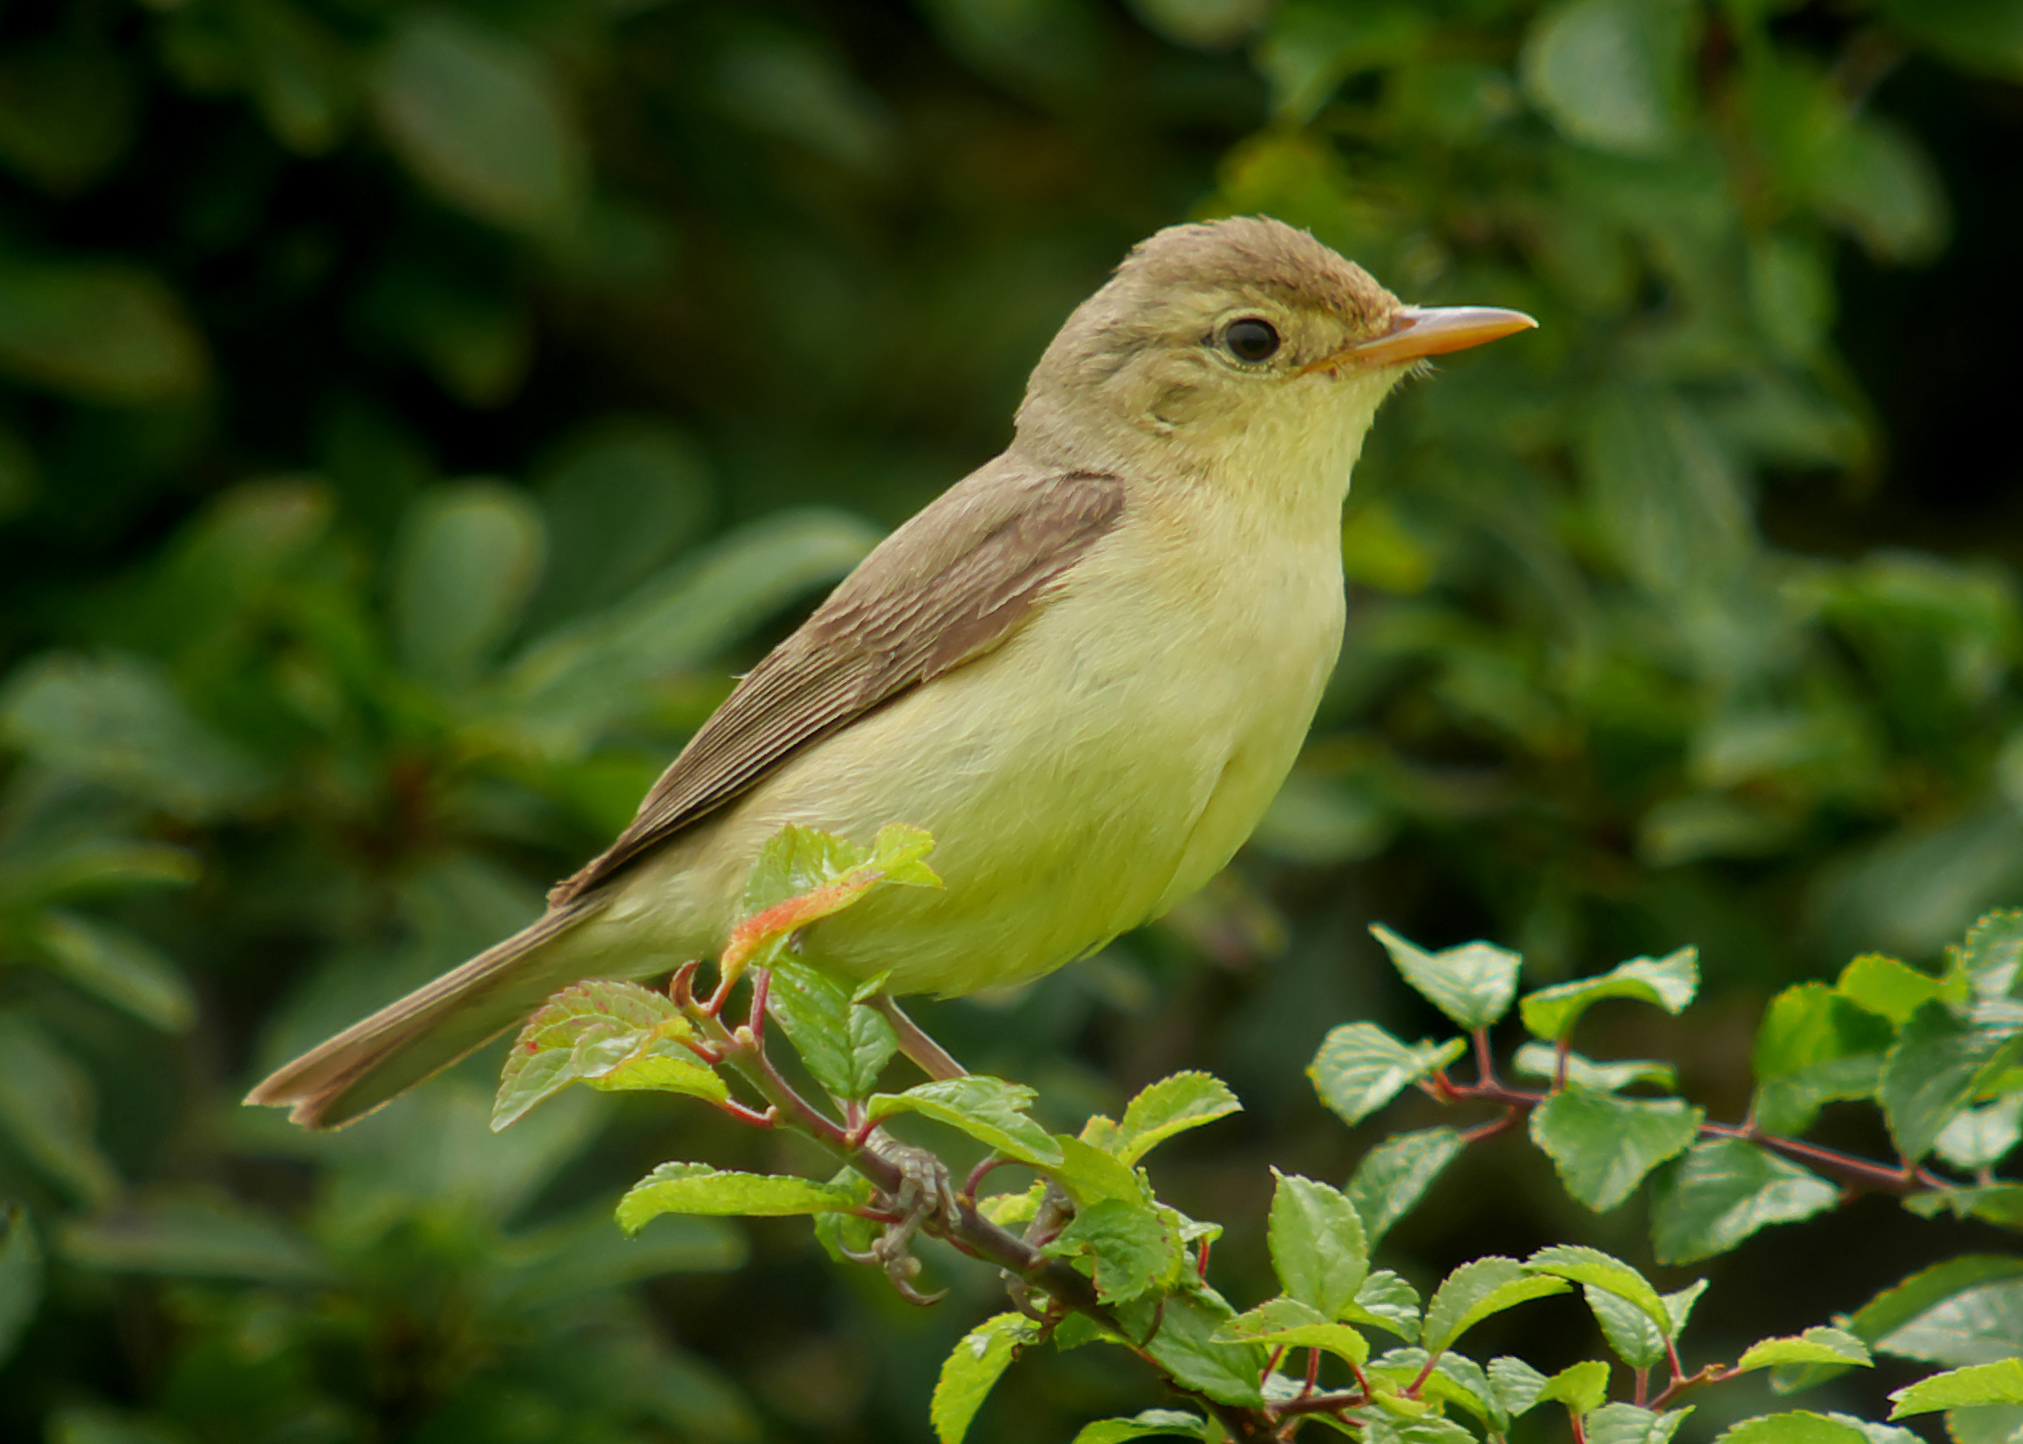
1239 342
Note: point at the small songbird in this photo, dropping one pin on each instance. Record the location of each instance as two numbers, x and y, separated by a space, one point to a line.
1086 668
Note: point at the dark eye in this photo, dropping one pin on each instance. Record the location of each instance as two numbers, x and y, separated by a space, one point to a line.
1251 339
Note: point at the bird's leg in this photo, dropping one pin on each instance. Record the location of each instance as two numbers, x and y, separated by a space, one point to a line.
926 1191
931 1058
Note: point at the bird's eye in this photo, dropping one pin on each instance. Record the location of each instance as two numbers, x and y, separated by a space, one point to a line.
1251 339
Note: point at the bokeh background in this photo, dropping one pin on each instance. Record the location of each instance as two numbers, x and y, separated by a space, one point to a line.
411 416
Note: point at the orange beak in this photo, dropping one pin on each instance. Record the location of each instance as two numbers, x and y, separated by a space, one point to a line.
1420 331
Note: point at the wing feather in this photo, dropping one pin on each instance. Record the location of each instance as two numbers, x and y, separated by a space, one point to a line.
949 586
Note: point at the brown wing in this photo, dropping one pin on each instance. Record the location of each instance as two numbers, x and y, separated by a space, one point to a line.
952 584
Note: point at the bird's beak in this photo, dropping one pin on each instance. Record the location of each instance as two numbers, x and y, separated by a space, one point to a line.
1419 331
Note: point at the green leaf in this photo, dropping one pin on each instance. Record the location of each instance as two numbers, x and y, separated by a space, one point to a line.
1419 1429
20 1276
1595 1269
45 1112
478 118
2000 1204
1980 1138
1878 182
1472 984
1630 1331
1627 1424
972 1369
1884 986
844 1043
615 1036
1991 958
1360 1067
2000 1382
1293 1325
1723 1191
1150 1424
1602 1146
1988 1424
1613 74
1170 1106
1386 1301
1668 982
1515 1383
804 875
989 1110
465 564
1317 1244
1796 1426
1477 1290
1811 1024
1090 1175
1973 1325
1131 1246
118 966
1185 1345
1930 1075
66 112
1394 1176
105 334
193 1237
696 1188
118 721
1814 1346
1581 1387
1983 35
1541 1060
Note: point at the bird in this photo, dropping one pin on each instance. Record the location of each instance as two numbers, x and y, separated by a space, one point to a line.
1085 669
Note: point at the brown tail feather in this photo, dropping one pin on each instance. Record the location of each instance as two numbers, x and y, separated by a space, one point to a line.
418 1036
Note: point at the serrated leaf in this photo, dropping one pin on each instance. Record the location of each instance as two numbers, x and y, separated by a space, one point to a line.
972 1368
1991 958
1392 1177
1386 1301
804 875
1317 1245
696 1188
1184 1345
1723 1191
1422 1429
2000 1204
1627 1424
20 1276
1797 1426
1595 1269
1930 1075
1516 1383
1293 1325
1900 1320
1472 984
1887 987
1814 1346
1631 1334
2000 1382
1090 1175
1477 1290
1012 1210
1982 1137
1973 1326
1602 1145
1988 1424
1581 1387
989 1110
1541 1060
1150 1424
1815 1045
615 1036
1668 982
844 1043
1360 1067
1453 1379
1170 1106
1131 1247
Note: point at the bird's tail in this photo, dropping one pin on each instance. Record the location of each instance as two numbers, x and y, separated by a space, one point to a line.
425 1032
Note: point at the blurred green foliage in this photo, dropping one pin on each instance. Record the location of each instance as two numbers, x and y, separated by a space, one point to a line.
409 417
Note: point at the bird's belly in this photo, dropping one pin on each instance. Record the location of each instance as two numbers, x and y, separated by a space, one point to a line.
1079 781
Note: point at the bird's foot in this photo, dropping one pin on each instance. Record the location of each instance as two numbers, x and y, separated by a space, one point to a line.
926 1192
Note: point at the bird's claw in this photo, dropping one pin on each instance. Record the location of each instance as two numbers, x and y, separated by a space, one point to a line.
926 1191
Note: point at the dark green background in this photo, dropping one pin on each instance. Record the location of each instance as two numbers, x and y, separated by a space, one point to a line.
411 417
